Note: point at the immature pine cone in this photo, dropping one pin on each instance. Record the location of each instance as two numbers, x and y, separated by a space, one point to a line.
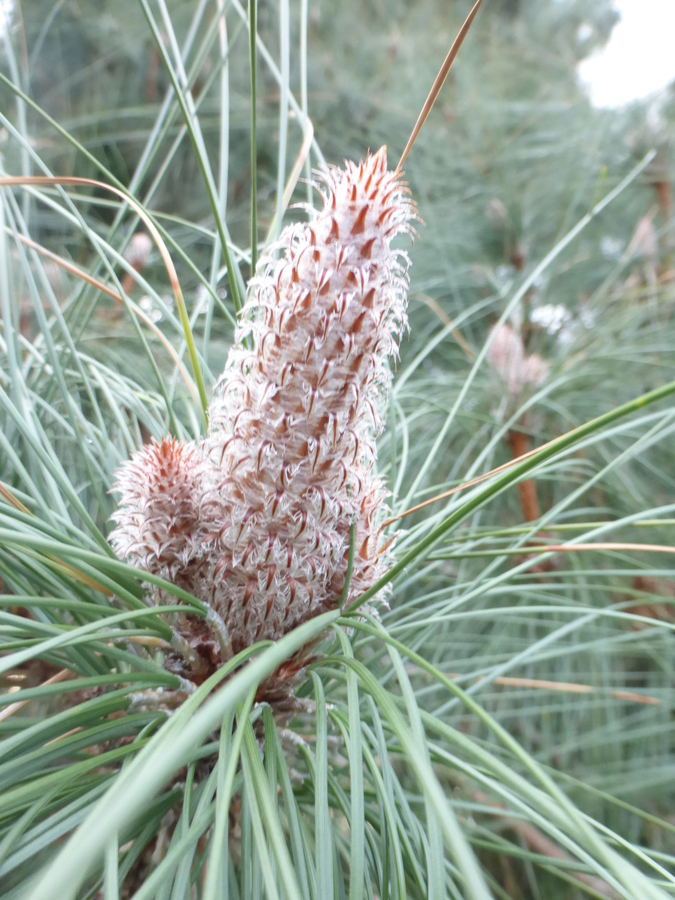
515 368
289 458
159 512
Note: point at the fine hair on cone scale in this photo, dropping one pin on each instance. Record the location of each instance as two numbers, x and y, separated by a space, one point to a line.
254 520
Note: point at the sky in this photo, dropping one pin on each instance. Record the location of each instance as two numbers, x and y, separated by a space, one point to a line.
6 7
639 57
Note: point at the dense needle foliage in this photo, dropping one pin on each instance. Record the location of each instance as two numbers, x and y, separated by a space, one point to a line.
505 729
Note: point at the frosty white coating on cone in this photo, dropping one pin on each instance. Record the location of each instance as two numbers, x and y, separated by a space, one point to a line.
289 459
159 512
294 419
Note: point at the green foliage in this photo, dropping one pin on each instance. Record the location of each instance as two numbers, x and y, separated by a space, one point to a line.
506 729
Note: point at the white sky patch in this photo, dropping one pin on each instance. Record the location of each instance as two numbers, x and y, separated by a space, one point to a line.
6 10
639 58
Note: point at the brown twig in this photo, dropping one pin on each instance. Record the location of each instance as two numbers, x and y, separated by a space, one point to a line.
15 707
527 490
664 194
12 500
438 83
569 687
472 482
447 321
563 687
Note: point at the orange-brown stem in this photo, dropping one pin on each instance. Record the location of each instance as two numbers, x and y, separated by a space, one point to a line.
664 194
152 76
129 282
527 490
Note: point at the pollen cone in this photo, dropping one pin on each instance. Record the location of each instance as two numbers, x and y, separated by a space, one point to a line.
159 512
295 417
289 459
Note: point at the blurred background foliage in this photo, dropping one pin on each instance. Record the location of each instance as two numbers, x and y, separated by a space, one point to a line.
512 157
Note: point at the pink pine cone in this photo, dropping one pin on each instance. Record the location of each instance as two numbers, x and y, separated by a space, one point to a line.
505 356
515 368
159 513
289 459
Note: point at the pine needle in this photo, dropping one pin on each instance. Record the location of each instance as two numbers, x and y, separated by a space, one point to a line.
440 80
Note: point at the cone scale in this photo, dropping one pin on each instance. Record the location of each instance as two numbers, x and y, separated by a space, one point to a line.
289 459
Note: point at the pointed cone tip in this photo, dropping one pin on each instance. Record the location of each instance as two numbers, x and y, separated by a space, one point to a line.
380 157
